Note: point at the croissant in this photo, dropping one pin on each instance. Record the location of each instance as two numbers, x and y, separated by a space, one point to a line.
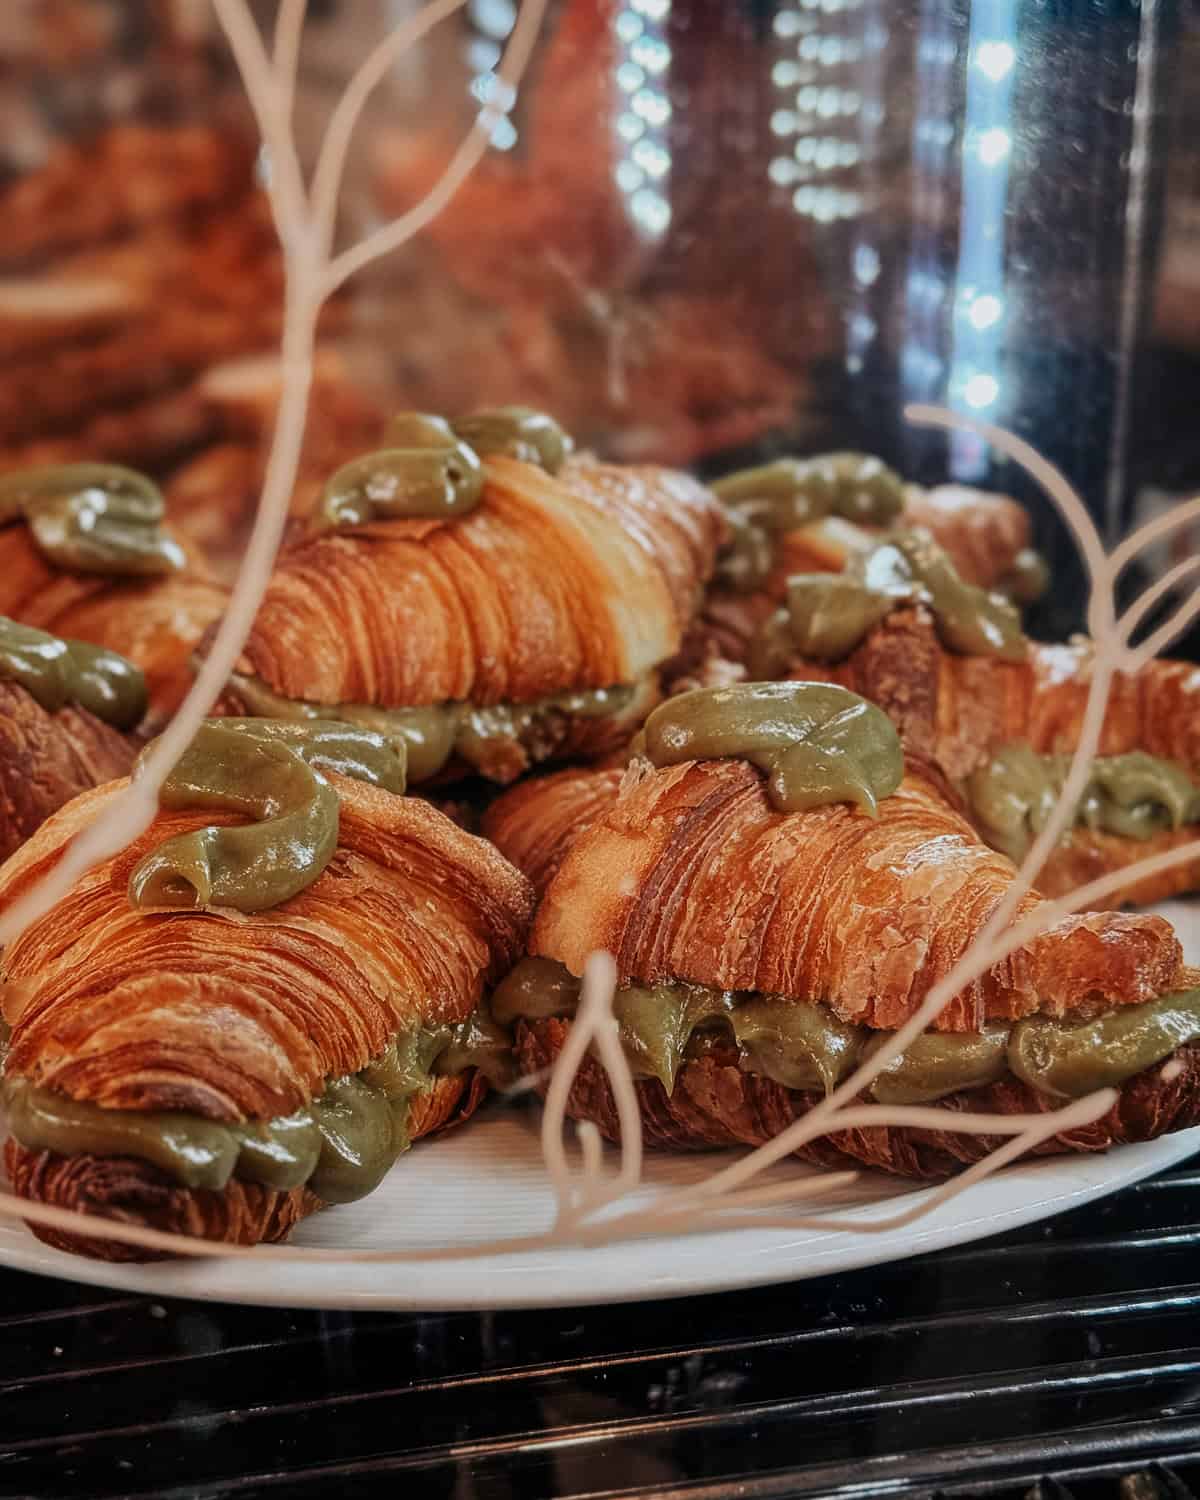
957 711
46 758
983 533
534 823
529 629
223 1018
156 622
759 952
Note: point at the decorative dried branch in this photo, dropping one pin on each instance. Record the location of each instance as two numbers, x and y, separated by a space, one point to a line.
309 278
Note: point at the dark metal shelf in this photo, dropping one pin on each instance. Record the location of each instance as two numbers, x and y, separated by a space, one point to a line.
1067 1353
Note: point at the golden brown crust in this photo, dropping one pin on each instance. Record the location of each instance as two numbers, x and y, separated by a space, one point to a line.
551 584
47 758
715 1104
693 875
956 710
232 1016
982 533
1086 855
535 824
156 622
243 1213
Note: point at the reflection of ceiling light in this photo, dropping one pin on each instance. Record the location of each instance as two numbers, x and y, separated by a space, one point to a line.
787 23
653 159
784 122
995 59
651 53
629 127
494 17
629 26
629 177
994 146
981 391
652 107
504 135
651 210
656 10
630 77
782 172
985 311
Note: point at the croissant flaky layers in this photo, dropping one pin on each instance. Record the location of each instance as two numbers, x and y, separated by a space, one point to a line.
156 622
693 875
956 711
982 534
586 579
688 873
47 758
243 1017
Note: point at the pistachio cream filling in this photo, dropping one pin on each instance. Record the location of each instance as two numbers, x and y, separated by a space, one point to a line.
93 518
1135 796
434 732
57 672
431 469
818 743
268 771
765 502
805 1046
341 1145
828 614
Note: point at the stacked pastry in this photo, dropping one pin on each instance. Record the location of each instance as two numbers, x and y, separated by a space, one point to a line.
781 887
826 514
84 553
299 968
484 593
258 1006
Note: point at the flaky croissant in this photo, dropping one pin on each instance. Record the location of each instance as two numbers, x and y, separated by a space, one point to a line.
233 1017
155 622
534 823
47 758
692 878
956 711
982 533
554 585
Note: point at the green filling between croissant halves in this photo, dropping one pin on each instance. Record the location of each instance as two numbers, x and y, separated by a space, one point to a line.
805 1046
434 732
341 1145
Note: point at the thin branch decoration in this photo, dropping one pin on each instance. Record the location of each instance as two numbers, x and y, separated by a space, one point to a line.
304 221
594 1204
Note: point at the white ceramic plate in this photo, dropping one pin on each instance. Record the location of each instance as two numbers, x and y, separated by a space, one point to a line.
487 1182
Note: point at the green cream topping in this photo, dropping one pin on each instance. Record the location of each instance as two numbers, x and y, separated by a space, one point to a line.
341 1145
805 1046
517 432
271 772
93 518
57 672
435 732
816 742
828 614
431 469
1135 796
765 502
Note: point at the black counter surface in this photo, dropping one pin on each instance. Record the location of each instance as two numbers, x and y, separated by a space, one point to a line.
1060 1359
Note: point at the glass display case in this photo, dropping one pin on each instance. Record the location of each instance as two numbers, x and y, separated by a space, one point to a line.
710 233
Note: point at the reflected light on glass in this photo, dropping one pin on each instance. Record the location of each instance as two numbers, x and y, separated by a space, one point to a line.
644 165
984 312
995 59
980 391
994 146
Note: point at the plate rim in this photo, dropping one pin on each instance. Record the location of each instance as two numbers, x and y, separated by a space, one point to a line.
270 1285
